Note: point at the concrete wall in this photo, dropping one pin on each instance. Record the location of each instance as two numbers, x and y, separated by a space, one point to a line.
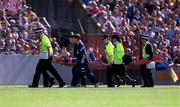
19 70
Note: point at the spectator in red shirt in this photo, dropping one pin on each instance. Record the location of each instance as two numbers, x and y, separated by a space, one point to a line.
92 8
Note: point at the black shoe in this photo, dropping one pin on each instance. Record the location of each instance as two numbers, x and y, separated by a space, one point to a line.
61 85
32 86
77 86
51 82
84 86
118 85
120 82
46 86
150 86
111 86
133 83
143 86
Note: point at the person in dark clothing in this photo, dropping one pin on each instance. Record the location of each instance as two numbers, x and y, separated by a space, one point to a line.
149 6
147 53
44 63
111 3
109 52
75 74
82 62
118 66
131 11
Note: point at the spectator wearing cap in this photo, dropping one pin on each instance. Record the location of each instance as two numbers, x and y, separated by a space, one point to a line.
12 23
147 53
44 63
81 61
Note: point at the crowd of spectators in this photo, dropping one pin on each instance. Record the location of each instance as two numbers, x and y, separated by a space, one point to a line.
17 30
159 19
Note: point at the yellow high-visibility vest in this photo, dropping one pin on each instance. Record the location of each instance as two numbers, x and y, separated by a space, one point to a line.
109 52
144 55
44 44
118 53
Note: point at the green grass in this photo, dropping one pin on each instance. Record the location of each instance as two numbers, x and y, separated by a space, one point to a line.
125 96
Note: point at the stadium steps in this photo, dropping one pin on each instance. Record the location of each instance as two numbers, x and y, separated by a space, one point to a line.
64 16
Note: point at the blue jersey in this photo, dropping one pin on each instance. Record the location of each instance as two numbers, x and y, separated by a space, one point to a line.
81 54
75 50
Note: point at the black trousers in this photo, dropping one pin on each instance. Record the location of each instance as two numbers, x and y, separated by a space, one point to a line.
146 76
119 71
42 67
75 76
87 72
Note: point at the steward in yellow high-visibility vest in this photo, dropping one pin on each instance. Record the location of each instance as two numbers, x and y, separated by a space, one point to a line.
147 52
118 53
118 66
108 49
46 49
44 63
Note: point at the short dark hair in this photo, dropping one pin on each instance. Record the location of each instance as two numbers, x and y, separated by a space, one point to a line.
71 36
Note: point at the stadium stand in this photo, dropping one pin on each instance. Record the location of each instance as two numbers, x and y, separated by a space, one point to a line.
159 19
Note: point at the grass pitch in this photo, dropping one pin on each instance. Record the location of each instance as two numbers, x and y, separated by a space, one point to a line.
124 96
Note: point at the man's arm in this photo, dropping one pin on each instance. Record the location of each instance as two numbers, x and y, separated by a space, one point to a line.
48 45
81 55
49 54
